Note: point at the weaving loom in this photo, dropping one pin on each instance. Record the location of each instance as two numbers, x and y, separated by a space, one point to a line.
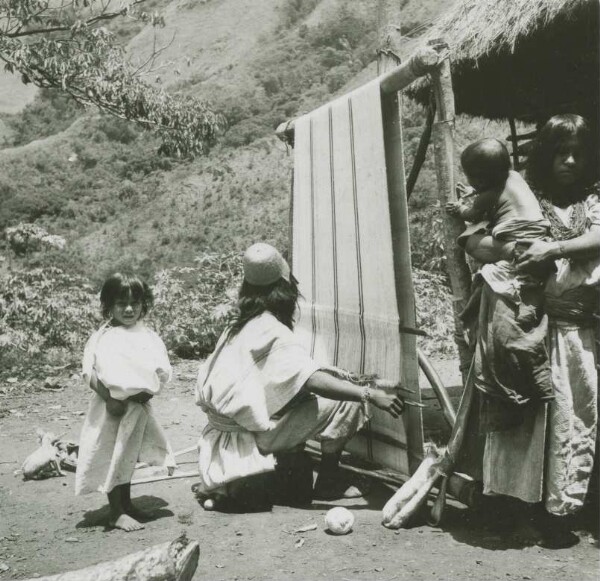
343 257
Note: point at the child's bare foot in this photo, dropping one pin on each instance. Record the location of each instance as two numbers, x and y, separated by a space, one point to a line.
137 513
125 523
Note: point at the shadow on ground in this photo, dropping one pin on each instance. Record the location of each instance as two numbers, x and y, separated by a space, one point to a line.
154 506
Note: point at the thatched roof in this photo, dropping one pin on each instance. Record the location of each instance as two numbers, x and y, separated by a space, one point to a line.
520 58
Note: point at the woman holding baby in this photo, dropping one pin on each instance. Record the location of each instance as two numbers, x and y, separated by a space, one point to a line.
547 460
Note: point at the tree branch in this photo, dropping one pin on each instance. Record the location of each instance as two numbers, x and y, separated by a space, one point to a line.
64 28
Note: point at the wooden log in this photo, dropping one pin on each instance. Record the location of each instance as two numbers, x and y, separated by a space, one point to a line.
443 146
399 509
173 561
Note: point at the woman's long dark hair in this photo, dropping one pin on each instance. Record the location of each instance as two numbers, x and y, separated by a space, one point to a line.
551 137
279 298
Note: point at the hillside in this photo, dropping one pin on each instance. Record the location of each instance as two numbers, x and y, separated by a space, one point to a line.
99 182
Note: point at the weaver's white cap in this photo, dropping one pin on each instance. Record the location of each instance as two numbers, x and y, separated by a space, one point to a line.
264 265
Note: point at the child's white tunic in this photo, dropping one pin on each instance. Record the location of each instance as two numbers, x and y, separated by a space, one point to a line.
127 361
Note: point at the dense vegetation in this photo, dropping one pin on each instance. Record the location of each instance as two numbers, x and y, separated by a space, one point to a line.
101 183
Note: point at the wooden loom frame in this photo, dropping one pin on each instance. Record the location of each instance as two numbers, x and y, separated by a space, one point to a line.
433 60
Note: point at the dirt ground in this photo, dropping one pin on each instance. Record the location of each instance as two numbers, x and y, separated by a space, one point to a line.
45 529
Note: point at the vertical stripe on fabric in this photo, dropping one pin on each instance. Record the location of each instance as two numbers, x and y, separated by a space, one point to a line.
313 244
336 326
361 304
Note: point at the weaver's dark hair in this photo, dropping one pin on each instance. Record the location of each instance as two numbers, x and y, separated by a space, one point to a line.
550 139
123 286
279 298
488 160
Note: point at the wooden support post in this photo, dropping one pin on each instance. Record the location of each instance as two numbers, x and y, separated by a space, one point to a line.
443 145
515 143
421 151
405 293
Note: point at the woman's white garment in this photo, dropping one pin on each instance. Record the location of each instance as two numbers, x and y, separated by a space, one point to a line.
127 361
242 385
550 456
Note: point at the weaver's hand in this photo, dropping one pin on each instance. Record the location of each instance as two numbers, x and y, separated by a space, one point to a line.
115 407
391 403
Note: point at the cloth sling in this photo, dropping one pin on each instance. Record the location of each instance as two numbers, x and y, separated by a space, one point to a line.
342 254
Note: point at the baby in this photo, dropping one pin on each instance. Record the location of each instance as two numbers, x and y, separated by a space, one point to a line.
504 199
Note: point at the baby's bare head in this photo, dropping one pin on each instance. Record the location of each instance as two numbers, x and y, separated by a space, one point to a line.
486 163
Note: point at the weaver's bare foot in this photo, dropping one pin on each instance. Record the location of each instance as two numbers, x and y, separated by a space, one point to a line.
335 491
125 523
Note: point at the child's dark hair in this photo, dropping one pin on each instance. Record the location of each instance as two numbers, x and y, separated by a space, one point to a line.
551 138
279 298
487 160
122 286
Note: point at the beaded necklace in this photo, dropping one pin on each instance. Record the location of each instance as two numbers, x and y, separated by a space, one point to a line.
578 221
558 229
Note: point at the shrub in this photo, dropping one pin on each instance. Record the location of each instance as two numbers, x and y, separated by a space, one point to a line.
192 305
434 313
43 309
25 238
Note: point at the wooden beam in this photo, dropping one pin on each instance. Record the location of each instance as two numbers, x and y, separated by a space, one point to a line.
391 81
443 145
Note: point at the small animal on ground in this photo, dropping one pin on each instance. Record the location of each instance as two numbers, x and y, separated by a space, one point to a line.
45 461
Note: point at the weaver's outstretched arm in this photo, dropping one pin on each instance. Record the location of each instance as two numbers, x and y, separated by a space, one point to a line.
326 385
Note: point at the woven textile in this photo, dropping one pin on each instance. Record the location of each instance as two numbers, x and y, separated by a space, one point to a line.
342 254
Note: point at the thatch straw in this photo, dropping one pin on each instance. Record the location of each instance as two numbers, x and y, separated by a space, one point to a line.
520 58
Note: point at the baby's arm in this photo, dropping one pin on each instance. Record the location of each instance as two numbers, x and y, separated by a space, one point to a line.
482 205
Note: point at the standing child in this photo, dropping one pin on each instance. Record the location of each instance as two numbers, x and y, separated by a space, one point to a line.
126 364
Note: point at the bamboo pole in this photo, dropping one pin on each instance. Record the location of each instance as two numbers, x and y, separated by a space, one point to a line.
387 64
443 146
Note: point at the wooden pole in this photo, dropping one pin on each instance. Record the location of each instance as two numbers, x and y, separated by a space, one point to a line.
421 151
387 62
397 78
443 146
515 143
